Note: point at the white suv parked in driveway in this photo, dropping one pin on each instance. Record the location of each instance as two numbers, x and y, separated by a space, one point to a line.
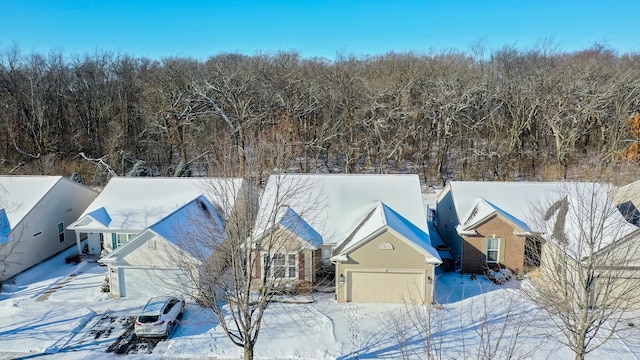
159 317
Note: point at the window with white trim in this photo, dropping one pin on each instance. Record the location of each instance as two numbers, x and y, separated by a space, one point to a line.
61 232
493 250
122 239
282 265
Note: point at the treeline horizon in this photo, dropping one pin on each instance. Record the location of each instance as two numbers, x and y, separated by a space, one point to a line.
505 115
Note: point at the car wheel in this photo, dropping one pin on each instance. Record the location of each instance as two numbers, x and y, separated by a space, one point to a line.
181 313
169 330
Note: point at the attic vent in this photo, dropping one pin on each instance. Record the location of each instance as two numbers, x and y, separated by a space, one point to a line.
386 246
473 214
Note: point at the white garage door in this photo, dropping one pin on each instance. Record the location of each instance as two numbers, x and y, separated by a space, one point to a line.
385 287
150 282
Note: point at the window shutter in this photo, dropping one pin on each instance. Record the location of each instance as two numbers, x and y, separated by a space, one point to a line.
502 250
114 241
301 273
483 250
258 265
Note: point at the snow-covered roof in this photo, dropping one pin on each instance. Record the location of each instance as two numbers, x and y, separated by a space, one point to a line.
135 203
514 198
296 224
481 211
190 228
521 202
186 226
101 215
588 215
20 194
382 217
334 204
627 193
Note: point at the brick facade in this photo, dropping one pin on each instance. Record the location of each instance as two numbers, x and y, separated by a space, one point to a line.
512 250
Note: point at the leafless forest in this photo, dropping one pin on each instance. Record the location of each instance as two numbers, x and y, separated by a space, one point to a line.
508 114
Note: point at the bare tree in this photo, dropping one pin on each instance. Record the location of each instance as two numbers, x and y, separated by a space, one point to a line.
498 327
588 279
265 251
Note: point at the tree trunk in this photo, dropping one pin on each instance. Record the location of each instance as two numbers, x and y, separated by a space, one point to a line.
248 350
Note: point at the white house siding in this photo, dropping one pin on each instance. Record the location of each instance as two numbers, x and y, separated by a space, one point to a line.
151 267
148 282
36 236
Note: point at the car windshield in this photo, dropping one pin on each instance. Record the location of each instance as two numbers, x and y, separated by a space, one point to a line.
145 319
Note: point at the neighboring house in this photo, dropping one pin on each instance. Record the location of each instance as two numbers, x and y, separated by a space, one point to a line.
34 213
293 246
484 223
131 208
493 223
590 243
386 258
369 226
627 199
165 258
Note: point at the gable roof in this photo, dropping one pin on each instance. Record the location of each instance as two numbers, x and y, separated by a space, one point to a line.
290 220
185 228
483 210
627 193
511 197
383 217
100 215
136 203
582 211
296 224
627 199
20 194
334 204
475 200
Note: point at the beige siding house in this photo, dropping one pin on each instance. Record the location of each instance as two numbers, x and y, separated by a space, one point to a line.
287 253
386 259
367 231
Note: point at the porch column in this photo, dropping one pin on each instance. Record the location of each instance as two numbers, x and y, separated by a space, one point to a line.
78 242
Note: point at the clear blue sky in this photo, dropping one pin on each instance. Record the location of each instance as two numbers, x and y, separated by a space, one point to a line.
199 29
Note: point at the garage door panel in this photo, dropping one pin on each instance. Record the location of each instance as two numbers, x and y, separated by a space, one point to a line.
150 282
385 287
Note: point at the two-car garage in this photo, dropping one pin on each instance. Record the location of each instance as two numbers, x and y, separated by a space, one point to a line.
386 286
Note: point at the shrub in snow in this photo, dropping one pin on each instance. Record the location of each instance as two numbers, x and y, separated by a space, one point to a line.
77 178
183 170
73 258
105 285
498 276
139 169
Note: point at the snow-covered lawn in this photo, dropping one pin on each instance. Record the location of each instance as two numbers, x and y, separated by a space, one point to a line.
77 321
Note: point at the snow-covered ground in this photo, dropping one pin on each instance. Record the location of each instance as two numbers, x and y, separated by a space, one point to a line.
57 311
78 321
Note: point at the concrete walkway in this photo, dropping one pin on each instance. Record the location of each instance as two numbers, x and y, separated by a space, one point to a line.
45 295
